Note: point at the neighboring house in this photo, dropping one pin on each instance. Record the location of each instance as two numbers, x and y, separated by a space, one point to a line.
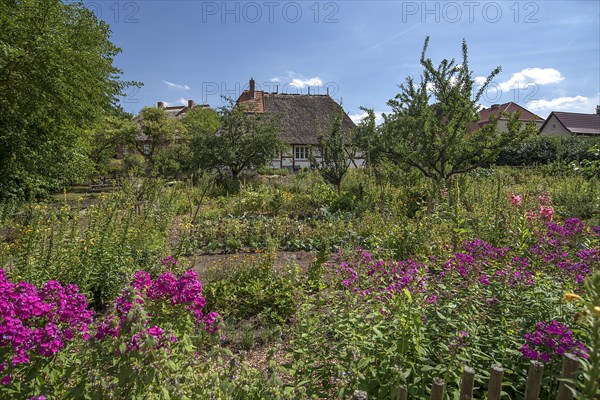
143 142
561 123
303 117
508 108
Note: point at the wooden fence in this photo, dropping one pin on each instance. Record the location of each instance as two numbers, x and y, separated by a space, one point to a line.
532 390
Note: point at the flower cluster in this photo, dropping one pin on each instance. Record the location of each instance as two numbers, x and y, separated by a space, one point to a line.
545 212
185 291
515 200
38 321
482 263
551 339
150 338
560 247
380 277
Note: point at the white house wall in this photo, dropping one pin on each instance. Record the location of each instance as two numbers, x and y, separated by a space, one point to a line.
286 160
554 128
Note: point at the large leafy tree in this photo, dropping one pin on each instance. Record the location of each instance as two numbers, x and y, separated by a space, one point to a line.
244 140
111 131
156 132
201 123
56 79
433 127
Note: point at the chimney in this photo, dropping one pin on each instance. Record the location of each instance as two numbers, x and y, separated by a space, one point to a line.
597 110
190 103
161 104
251 92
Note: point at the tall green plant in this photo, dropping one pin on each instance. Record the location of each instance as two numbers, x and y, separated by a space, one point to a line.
333 149
432 125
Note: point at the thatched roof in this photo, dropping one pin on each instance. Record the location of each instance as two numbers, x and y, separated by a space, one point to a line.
303 117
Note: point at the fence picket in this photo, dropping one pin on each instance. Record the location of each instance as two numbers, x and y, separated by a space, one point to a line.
466 385
569 371
402 393
437 389
534 380
495 385
359 395
570 368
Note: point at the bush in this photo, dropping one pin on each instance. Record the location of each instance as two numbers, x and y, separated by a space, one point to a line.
547 149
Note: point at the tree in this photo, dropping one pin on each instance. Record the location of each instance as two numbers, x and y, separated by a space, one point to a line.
111 131
200 123
156 131
333 150
56 78
243 141
366 138
432 127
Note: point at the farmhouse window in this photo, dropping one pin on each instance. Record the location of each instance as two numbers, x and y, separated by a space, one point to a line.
146 148
301 152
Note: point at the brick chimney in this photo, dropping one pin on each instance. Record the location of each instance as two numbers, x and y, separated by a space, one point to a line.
251 91
191 103
161 104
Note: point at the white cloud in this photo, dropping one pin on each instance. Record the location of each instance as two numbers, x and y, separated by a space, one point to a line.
298 80
300 83
524 79
579 104
180 101
176 86
356 118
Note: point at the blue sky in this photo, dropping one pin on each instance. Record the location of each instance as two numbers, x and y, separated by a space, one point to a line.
361 50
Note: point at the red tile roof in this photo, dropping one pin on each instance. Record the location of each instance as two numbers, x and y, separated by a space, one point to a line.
577 123
526 115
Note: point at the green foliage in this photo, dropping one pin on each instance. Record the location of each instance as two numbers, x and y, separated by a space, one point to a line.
429 128
96 247
333 148
548 149
590 318
156 131
57 79
252 289
366 138
336 340
344 342
244 140
273 171
110 132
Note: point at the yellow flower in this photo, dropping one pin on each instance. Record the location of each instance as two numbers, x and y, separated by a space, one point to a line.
572 297
597 311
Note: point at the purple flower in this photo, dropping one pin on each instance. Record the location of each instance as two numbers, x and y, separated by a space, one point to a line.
156 332
550 338
141 280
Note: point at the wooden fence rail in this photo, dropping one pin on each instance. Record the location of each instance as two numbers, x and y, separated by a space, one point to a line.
532 390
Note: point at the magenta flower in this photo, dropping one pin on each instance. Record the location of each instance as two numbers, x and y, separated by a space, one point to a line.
546 212
515 199
551 338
